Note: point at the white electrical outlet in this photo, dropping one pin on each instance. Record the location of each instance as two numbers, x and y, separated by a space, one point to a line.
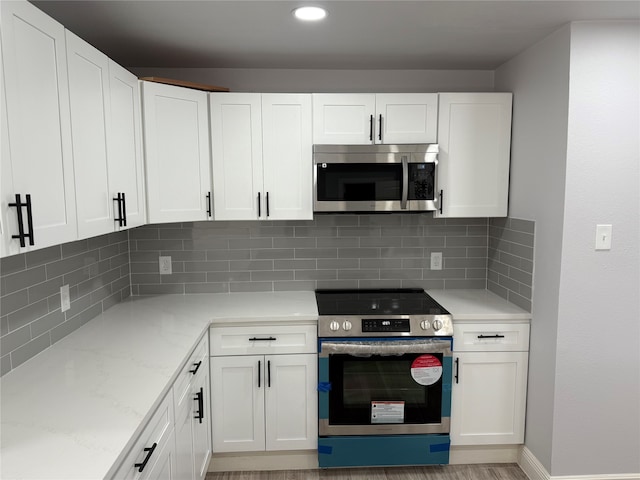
436 260
165 265
65 298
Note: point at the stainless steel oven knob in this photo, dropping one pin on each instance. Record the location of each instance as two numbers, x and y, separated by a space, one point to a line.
347 325
425 325
437 325
333 326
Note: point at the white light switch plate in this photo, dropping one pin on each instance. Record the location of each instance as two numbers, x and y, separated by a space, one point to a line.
165 265
603 237
65 298
436 260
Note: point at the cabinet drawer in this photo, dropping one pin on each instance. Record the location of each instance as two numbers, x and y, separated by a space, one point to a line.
256 340
491 337
158 432
196 364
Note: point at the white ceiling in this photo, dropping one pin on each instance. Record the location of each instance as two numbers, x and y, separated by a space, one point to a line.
361 34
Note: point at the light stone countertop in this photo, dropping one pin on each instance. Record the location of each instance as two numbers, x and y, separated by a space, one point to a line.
74 410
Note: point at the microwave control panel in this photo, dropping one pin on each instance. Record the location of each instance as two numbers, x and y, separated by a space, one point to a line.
421 181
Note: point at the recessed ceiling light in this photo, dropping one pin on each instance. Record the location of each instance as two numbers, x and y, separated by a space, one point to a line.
310 13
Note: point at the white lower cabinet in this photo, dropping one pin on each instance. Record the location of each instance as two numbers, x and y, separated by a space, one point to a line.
176 442
490 384
263 402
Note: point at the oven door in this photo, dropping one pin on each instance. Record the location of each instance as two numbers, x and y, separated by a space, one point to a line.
385 386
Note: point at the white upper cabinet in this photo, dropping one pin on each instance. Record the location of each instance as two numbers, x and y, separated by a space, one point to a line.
474 134
126 163
176 139
90 121
363 118
37 109
236 138
261 156
287 156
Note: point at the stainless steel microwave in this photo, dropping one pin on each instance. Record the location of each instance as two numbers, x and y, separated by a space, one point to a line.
375 178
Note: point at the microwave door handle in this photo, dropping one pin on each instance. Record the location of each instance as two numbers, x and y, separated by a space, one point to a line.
405 182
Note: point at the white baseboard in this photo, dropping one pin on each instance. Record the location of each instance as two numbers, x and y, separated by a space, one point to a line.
532 467
464 455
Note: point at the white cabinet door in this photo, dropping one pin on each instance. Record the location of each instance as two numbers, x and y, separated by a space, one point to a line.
126 167
237 156
489 398
343 118
287 156
8 218
237 401
37 95
176 152
202 423
474 134
406 118
291 402
184 441
90 122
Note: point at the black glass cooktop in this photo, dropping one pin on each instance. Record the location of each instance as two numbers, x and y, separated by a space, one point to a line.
377 302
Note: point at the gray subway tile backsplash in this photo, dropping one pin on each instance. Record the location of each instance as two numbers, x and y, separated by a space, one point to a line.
331 251
510 266
97 272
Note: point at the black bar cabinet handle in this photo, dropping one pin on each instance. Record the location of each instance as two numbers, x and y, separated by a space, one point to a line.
140 466
440 202
209 204
21 235
269 373
267 204
29 220
197 365
457 369
259 210
255 339
200 399
371 128
380 128
259 370
491 336
118 199
124 210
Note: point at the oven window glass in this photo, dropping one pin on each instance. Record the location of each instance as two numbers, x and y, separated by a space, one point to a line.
347 182
358 381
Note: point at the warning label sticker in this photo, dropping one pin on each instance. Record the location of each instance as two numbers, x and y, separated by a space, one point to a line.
426 369
387 412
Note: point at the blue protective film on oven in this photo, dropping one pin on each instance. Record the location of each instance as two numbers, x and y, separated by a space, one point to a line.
447 376
323 395
325 449
324 386
439 447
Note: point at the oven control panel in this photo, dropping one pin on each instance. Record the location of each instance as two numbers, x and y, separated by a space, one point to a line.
385 325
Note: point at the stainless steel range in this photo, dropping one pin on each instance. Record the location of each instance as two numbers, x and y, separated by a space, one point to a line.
384 371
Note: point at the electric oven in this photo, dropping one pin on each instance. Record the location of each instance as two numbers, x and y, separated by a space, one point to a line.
384 372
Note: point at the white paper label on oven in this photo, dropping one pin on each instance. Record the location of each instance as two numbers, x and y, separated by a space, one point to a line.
387 412
426 369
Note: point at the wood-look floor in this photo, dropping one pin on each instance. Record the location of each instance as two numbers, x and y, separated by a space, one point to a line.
448 472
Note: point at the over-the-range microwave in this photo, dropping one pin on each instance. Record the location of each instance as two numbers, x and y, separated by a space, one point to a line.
375 178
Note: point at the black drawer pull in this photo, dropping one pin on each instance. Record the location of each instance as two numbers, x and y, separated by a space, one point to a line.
491 336
140 466
197 365
259 370
255 339
269 373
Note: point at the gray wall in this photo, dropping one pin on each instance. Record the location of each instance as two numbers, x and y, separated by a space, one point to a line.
97 272
331 251
599 290
294 80
539 80
575 164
